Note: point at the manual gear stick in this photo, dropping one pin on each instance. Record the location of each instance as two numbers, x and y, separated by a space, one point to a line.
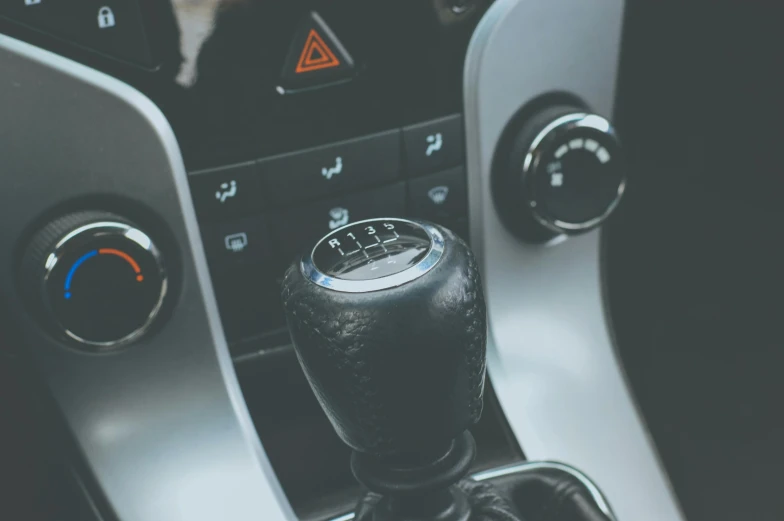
388 321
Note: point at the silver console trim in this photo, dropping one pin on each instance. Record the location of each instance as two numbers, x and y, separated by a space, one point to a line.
162 426
529 466
550 353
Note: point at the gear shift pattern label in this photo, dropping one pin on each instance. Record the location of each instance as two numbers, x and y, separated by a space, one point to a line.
371 249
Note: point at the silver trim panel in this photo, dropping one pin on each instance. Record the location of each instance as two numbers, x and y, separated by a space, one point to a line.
311 272
163 427
550 354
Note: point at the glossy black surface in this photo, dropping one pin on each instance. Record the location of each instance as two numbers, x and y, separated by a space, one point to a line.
215 66
371 250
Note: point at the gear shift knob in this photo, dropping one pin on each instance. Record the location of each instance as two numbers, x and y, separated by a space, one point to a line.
388 320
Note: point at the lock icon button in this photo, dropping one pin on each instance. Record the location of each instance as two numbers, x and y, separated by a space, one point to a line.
106 18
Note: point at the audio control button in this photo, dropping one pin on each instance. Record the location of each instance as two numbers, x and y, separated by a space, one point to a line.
332 169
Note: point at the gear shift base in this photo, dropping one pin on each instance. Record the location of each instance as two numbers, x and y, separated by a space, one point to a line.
418 487
416 476
450 504
388 320
528 491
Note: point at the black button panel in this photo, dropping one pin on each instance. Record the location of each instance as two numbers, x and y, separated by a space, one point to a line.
257 217
111 27
332 169
299 228
434 145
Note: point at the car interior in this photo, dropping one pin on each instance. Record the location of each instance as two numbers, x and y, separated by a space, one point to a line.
421 260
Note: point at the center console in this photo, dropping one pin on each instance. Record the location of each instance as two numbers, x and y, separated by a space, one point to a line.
281 147
194 149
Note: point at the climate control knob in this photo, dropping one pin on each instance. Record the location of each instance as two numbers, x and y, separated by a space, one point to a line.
563 173
95 279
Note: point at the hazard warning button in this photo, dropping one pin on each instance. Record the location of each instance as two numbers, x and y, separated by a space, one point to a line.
316 58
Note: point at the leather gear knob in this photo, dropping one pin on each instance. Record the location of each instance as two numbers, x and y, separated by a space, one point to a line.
390 329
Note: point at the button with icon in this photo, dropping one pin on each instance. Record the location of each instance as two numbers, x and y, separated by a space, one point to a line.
316 58
226 193
111 27
433 145
239 256
116 28
332 169
441 197
232 244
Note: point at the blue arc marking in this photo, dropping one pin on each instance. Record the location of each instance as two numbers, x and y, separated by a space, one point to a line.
73 269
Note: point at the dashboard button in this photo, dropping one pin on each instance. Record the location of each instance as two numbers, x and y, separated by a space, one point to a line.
316 58
332 169
226 193
245 283
439 197
112 27
237 243
434 145
115 27
298 228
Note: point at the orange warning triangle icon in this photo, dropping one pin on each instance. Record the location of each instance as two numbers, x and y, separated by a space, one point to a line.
316 55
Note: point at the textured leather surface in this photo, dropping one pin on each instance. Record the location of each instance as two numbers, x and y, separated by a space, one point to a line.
397 370
535 495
